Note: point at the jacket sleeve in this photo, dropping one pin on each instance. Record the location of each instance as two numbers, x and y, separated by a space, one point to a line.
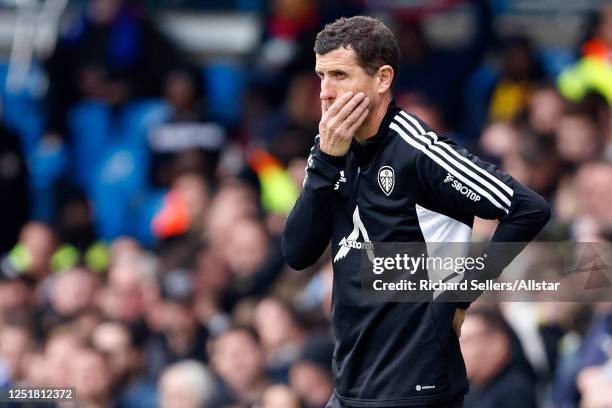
307 231
449 173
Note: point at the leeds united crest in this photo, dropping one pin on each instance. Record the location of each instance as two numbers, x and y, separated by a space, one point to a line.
386 179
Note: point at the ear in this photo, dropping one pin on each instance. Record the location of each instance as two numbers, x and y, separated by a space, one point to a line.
385 76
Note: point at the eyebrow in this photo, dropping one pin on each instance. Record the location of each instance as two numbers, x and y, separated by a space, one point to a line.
332 71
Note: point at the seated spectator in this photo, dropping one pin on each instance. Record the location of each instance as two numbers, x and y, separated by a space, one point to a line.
287 37
544 109
131 290
16 344
281 335
534 161
32 254
594 221
90 375
519 75
179 334
310 375
280 396
579 133
59 349
110 53
187 141
254 260
211 280
238 359
186 384
185 206
440 73
72 292
125 360
17 291
487 349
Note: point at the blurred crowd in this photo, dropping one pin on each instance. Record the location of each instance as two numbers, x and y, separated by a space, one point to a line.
141 218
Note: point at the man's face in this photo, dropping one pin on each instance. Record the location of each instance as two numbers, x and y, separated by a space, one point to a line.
340 73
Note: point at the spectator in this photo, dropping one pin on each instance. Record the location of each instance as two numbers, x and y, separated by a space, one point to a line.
186 384
593 181
487 348
187 142
185 206
16 343
440 74
180 334
110 53
211 281
310 375
126 365
280 396
281 334
32 255
90 375
519 76
238 359
535 162
289 31
545 108
72 292
17 291
579 135
253 258
131 288
60 348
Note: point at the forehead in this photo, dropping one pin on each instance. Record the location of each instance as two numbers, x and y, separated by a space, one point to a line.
338 58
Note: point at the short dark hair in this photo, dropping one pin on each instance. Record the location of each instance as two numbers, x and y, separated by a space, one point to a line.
374 44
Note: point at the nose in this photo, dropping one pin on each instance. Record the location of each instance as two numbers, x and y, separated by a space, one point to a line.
327 90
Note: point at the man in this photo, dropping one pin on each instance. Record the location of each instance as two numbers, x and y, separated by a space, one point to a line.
497 380
186 384
404 353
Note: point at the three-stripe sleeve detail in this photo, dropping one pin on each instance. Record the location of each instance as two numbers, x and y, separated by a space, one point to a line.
483 182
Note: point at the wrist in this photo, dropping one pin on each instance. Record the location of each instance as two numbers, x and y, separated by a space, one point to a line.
332 159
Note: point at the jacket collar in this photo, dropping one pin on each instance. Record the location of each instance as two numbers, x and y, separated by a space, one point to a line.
366 150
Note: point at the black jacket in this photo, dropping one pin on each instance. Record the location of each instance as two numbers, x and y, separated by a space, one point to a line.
405 184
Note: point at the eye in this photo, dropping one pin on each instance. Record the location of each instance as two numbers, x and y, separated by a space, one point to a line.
339 75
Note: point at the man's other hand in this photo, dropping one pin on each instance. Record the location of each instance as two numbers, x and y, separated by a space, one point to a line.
340 122
458 320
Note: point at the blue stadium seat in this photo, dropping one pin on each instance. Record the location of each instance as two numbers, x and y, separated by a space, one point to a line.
140 212
89 124
47 164
555 59
224 85
22 107
121 175
138 118
476 101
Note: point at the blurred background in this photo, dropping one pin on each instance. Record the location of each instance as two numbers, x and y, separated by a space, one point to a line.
150 150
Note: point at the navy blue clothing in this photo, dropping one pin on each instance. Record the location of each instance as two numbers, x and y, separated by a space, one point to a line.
510 388
405 184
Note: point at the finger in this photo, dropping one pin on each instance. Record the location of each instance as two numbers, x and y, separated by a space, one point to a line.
339 103
356 113
350 106
353 128
347 123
